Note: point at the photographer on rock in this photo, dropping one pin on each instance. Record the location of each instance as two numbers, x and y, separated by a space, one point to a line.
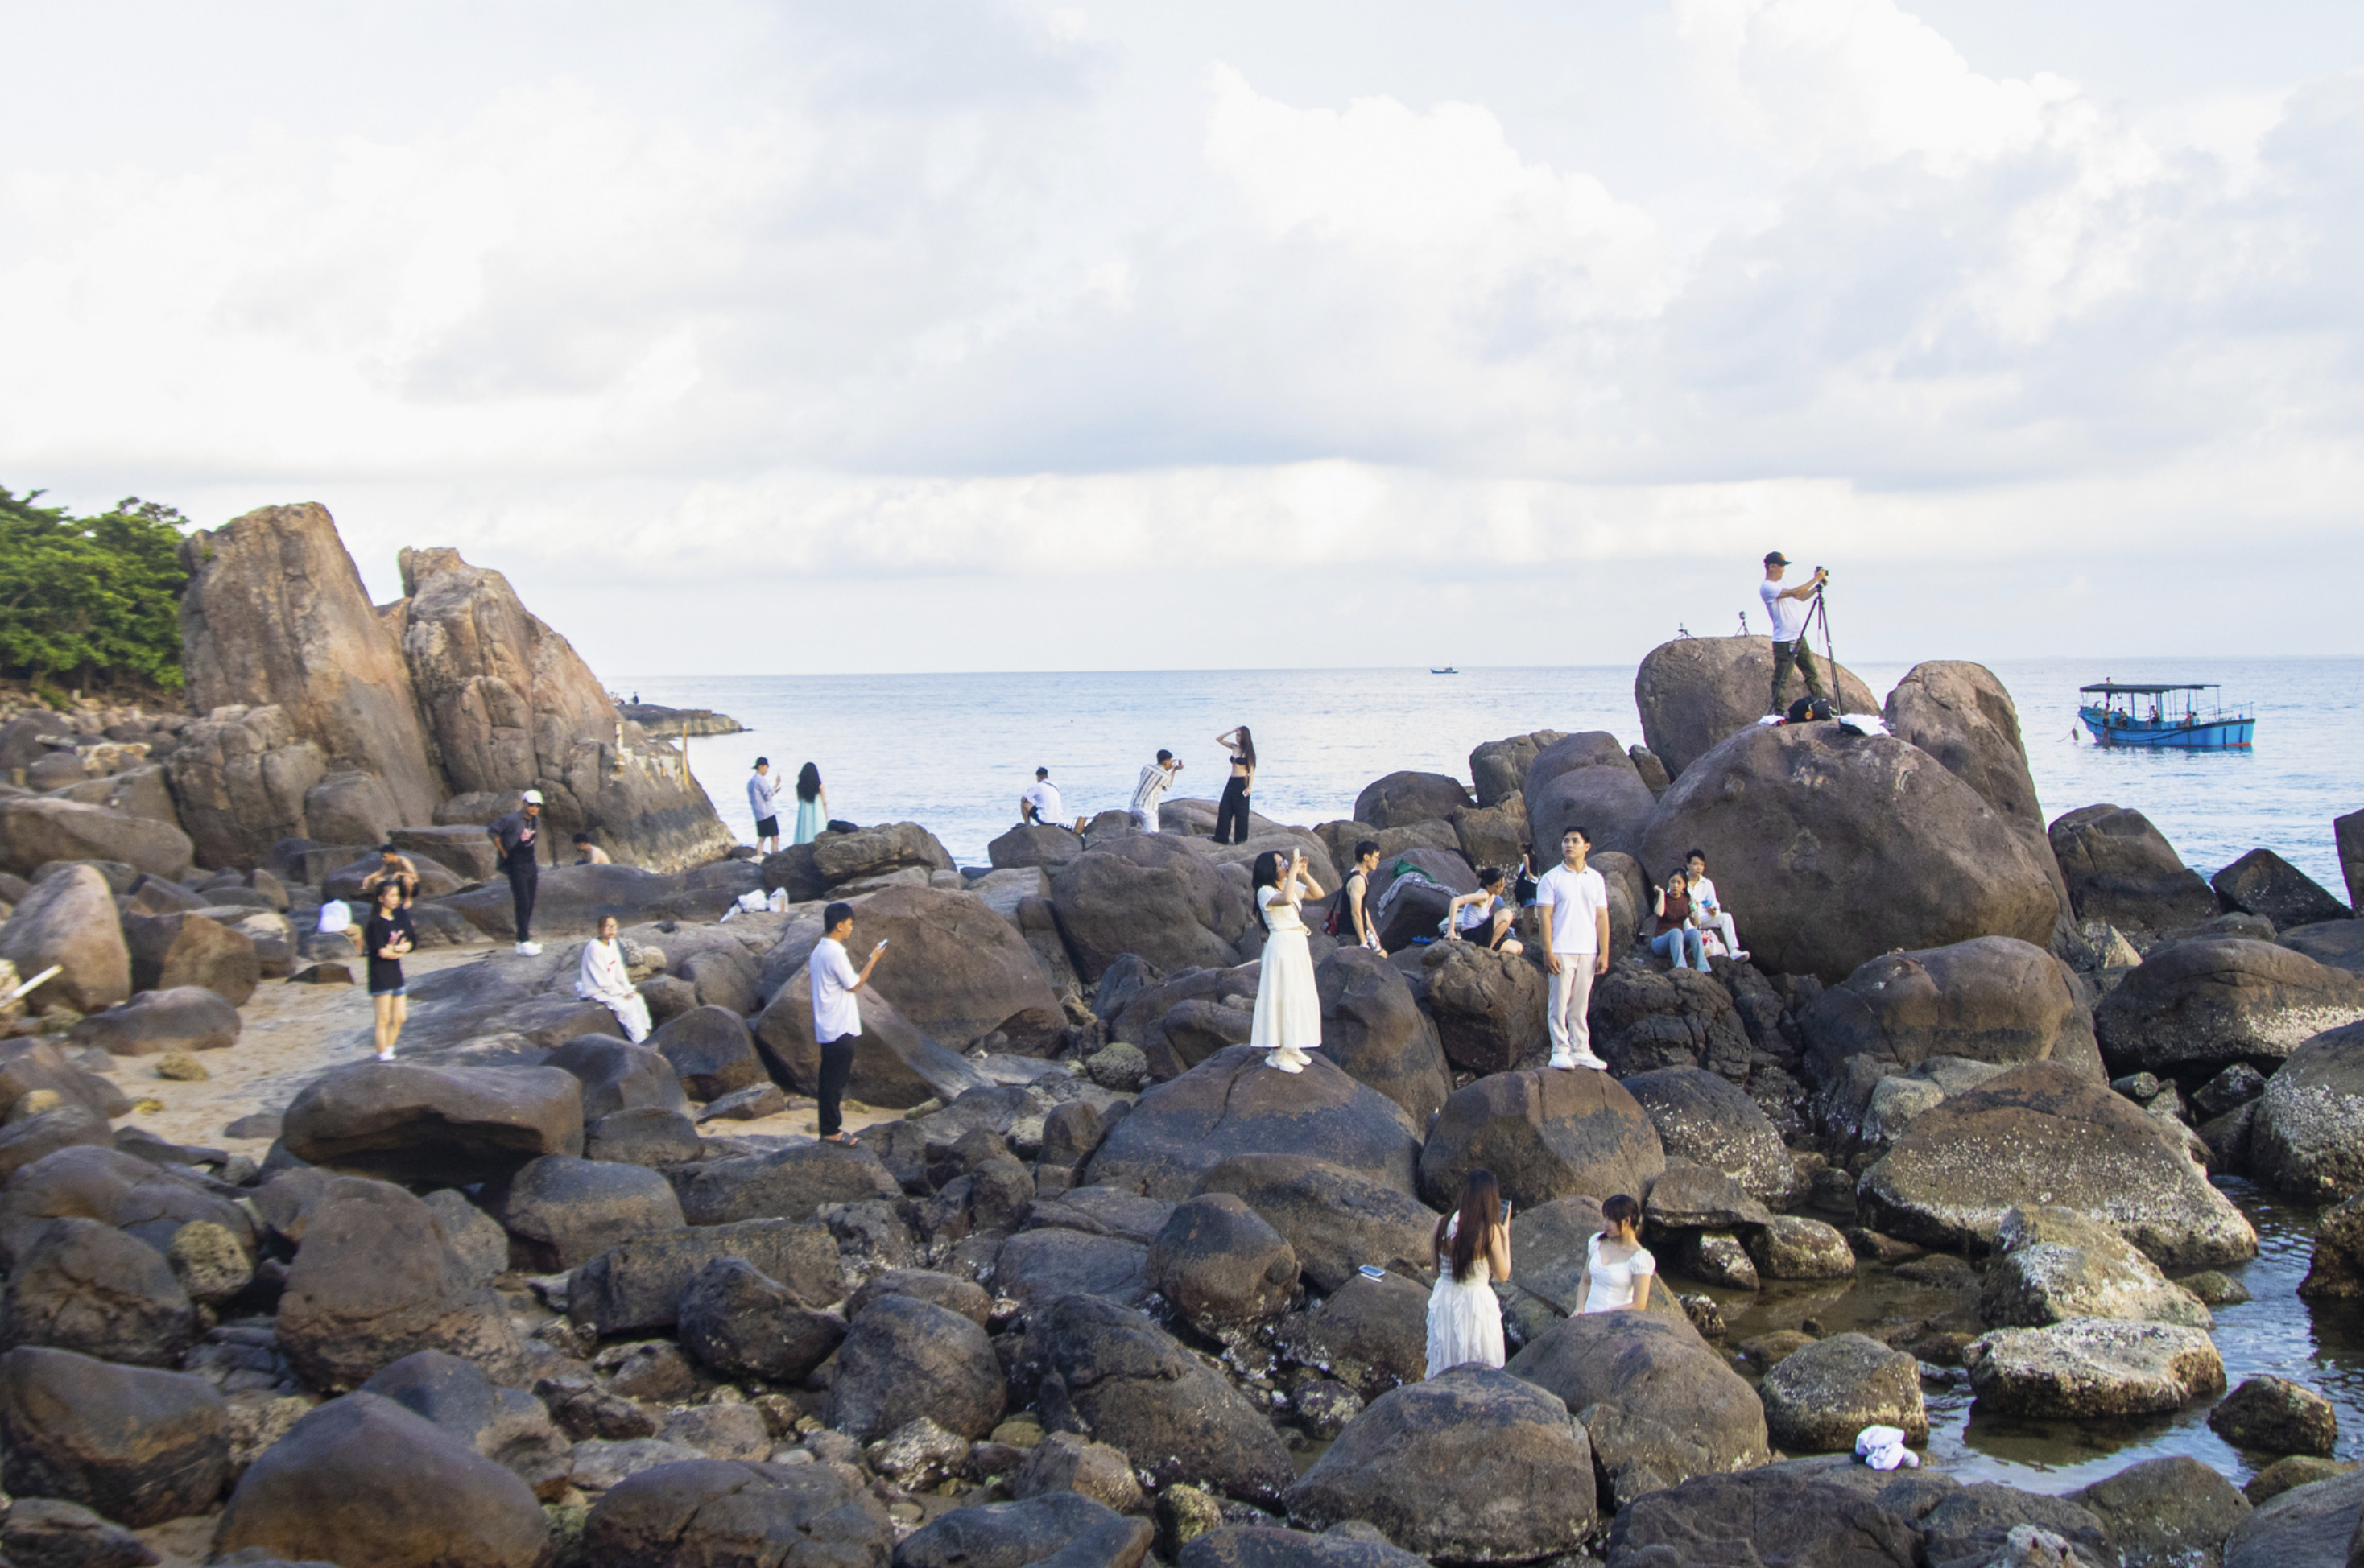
1788 609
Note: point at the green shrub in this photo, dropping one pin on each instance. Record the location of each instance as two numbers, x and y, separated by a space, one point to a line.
91 599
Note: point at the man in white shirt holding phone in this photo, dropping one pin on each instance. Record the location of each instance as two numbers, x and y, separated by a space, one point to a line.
836 1013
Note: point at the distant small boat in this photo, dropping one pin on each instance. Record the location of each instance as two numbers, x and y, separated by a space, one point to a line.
2118 718
1449 670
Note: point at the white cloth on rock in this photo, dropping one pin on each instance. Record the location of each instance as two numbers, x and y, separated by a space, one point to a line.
1883 1447
603 978
1465 1319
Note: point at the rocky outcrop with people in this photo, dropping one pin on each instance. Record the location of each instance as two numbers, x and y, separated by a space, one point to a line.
1094 1282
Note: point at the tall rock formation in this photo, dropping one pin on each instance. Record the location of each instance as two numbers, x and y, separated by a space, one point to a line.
274 614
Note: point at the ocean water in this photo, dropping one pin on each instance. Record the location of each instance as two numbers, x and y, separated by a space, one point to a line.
954 752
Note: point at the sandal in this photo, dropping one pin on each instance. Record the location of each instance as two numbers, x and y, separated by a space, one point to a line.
845 1139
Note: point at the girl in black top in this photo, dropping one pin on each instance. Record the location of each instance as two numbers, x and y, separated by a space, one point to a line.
387 935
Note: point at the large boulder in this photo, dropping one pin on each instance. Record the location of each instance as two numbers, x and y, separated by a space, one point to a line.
1060 1528
1403 797
1333 1220
37 829
510 705
70 920
2040 1134
1695 691
2091 1367
2121 870
2307 1135
1767 1515
507 1426
561 1212
1659 1406
1370 1334
863 855
2164 1512
711 1052
1269 1546
1488 1007
1035 1268
1500 767
2305 1524
1822 1395
2262 882
80 1285
137 1445
275 613
143 1199
1473 1466
1587 781
637 1285
188 949
2198 1005
1375 1031
183 1017
955 968
791 1184
1109 1372
727 1514
1418 910
1030 844
904 1358
238 780
896 1065
618 1077
743 1323
1959 714
1221 1265
1993 999
376 1279
1234 1104
1152 896
367 1483
407 1122
1545 1135
1834 848
1706 1120
2057 1263
2339 944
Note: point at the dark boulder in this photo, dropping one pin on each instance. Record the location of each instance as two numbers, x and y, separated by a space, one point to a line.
149 1201
1266 1546
1403 797
49 1532
1060 1528
1545 1135
2090 1368
2273 1415
1659 1406
1820 1397
1417 910
80 1285
407 1122
1473 1466
1109 1372
1375 1031
571 900
1962 715
2165 1512
137 1445
636 1285
37 829
1500 767
2307 1135
711 1052
646 1137
2305 1524
1761 1516
790 1185
171 950
2121 870
70 921
561 1212
507 1426
964 1297
1152 895
618 1077
1992 1000
1703 1117
904 1358
895 1064
1222 1265
1835 848
1027 845
2262 882
1038 1267
1973 1524
1488 1007
1234 1104
1695 691
1333 1220
366 1482
186 1017
1587 781
742 1323
2336 944
1644 1019
2197 1006
727 1513
864 854
1371 1335
955 968
2041 1134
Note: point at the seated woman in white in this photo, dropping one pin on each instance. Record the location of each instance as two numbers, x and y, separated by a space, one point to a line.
1617 1267
603 980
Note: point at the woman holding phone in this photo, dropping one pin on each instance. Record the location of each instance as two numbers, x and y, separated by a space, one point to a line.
1288 1006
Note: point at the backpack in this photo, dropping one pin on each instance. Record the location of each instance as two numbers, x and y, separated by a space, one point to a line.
1810 707
1336 926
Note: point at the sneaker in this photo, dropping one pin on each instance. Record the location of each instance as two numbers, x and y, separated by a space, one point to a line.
385 1056
1272 1059
531 950
1740 957
1588 1059
1565 1063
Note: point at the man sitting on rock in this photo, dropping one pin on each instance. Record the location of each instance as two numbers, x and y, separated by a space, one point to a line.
1039 804
517 839
587 853
1787 607
1154 781
393 865
1708 911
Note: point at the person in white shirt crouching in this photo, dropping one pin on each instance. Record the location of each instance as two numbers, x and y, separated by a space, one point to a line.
1039 804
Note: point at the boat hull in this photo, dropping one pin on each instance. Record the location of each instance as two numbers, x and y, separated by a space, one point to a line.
2181 735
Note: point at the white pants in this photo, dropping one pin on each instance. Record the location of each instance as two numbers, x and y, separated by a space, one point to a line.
1145 821
1571 993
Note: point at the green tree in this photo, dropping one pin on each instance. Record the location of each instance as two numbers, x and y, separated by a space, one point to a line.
93 597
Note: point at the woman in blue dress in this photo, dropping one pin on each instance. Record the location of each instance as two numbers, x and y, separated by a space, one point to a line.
812 805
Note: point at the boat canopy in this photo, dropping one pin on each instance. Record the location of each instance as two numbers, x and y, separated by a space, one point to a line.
2119 687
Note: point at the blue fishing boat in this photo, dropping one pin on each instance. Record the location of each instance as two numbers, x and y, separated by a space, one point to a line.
2176 715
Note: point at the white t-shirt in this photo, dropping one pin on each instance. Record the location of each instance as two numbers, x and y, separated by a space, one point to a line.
1788 615
837 1012
763 796
1044 796
1613 1283
1703 898
1573 896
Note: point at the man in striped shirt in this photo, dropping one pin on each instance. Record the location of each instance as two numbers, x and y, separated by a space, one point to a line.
1155 779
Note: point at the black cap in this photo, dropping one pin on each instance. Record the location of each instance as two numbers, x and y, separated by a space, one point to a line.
1777 559
763 762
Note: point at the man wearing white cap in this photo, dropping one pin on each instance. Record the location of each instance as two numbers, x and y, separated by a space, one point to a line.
515 840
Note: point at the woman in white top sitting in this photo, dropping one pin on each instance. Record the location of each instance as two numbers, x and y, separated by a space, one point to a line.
1473 1250
1484 915
1288 1006
1617 1267
603 980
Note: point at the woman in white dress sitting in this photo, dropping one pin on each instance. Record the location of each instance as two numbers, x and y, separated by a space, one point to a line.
1287 1008
1617 1267
1473 1250
602 979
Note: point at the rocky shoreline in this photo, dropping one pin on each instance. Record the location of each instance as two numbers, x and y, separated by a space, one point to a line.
1093 1285
681 721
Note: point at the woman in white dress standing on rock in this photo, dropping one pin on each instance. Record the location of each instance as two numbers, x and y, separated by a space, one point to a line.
1617 1267
1287 1008
1473 1250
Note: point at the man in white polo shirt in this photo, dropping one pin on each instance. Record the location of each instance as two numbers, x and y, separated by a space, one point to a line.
1039 804
837 1015
1575 905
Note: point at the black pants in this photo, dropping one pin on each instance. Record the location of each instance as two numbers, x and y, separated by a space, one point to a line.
836 1067
1232 813
523 882
1785 655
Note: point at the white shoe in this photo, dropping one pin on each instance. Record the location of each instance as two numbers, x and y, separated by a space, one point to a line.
1279 1060
1588 1059
529 949
1565 1063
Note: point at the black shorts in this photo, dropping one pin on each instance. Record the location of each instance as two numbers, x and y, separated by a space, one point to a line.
769 827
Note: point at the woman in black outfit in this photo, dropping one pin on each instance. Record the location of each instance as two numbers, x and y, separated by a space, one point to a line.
1232 814
387 935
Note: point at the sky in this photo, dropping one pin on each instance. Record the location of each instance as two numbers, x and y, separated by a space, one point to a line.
753 337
